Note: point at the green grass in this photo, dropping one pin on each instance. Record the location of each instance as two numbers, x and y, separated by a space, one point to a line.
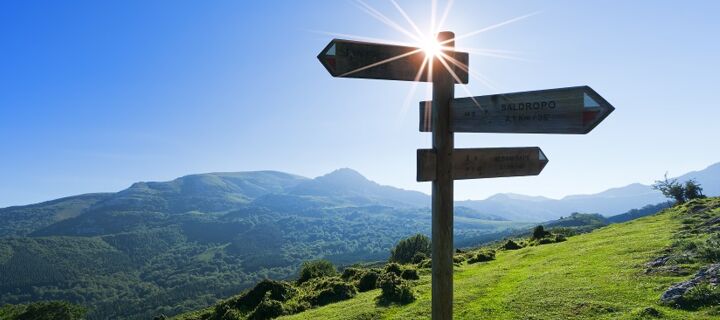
591 276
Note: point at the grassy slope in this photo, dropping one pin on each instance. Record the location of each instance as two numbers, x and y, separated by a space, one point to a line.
592 276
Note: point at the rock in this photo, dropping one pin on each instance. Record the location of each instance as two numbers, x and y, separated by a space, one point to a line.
710 274
658 262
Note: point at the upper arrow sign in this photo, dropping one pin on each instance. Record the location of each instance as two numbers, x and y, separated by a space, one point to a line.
574 110
354 59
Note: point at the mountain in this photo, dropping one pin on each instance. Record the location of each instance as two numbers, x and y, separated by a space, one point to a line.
608 203
168 247
354 188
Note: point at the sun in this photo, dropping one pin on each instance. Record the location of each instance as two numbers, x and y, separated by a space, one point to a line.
431 47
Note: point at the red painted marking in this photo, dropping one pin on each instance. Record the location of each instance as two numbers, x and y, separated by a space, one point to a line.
589 116
331 62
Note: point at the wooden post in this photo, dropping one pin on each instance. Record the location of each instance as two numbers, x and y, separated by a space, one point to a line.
442 186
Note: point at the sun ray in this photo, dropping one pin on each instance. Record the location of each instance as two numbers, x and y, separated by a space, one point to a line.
384 19
433 14
407 18
485 81
451 70
497 25
413 89
400 56
441 23
364 38
496 55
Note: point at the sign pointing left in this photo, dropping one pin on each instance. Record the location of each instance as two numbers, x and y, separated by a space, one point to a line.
355 59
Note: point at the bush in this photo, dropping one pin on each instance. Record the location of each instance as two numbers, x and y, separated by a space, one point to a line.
539 232
407 248
702 294
482 257
267 309
409 274
560 238
425 264
351 274
316 269
395 289
511 245
274 290
545 241
458 258
419 257
393 268
368 281
331 290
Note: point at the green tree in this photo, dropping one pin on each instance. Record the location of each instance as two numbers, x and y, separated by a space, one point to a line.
539 232
316 269
693 190
671 189
407 248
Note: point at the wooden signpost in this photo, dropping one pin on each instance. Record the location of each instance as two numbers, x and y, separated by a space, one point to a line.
484 163
566 110
355 59
575 110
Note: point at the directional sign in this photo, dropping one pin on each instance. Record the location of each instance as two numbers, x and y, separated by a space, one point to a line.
354 59
484 163
567 110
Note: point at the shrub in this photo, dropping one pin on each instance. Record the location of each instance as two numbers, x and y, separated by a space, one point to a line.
407 248
458 258
671 189
419 257
351 274
511 245
274 290
267 309
482 257
368 281
702 294
693 190
393 268
410 274
425 264
539 232
331 290
395 289
560 238
316 269
545 241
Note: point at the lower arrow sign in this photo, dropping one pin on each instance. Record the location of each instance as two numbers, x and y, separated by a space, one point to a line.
484 163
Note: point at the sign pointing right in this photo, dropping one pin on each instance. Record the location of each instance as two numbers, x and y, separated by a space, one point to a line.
483 163
574 110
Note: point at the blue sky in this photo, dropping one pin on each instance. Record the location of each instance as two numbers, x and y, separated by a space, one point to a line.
97 95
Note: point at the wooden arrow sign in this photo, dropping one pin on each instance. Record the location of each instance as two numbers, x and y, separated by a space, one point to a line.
354 59
575 110
484 163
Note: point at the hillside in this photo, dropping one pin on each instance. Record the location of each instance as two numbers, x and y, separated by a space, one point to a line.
169 247
605 274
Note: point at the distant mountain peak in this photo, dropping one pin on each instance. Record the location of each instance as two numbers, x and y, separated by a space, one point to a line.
344 176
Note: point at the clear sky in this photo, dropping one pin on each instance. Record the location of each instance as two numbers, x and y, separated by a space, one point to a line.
95 95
